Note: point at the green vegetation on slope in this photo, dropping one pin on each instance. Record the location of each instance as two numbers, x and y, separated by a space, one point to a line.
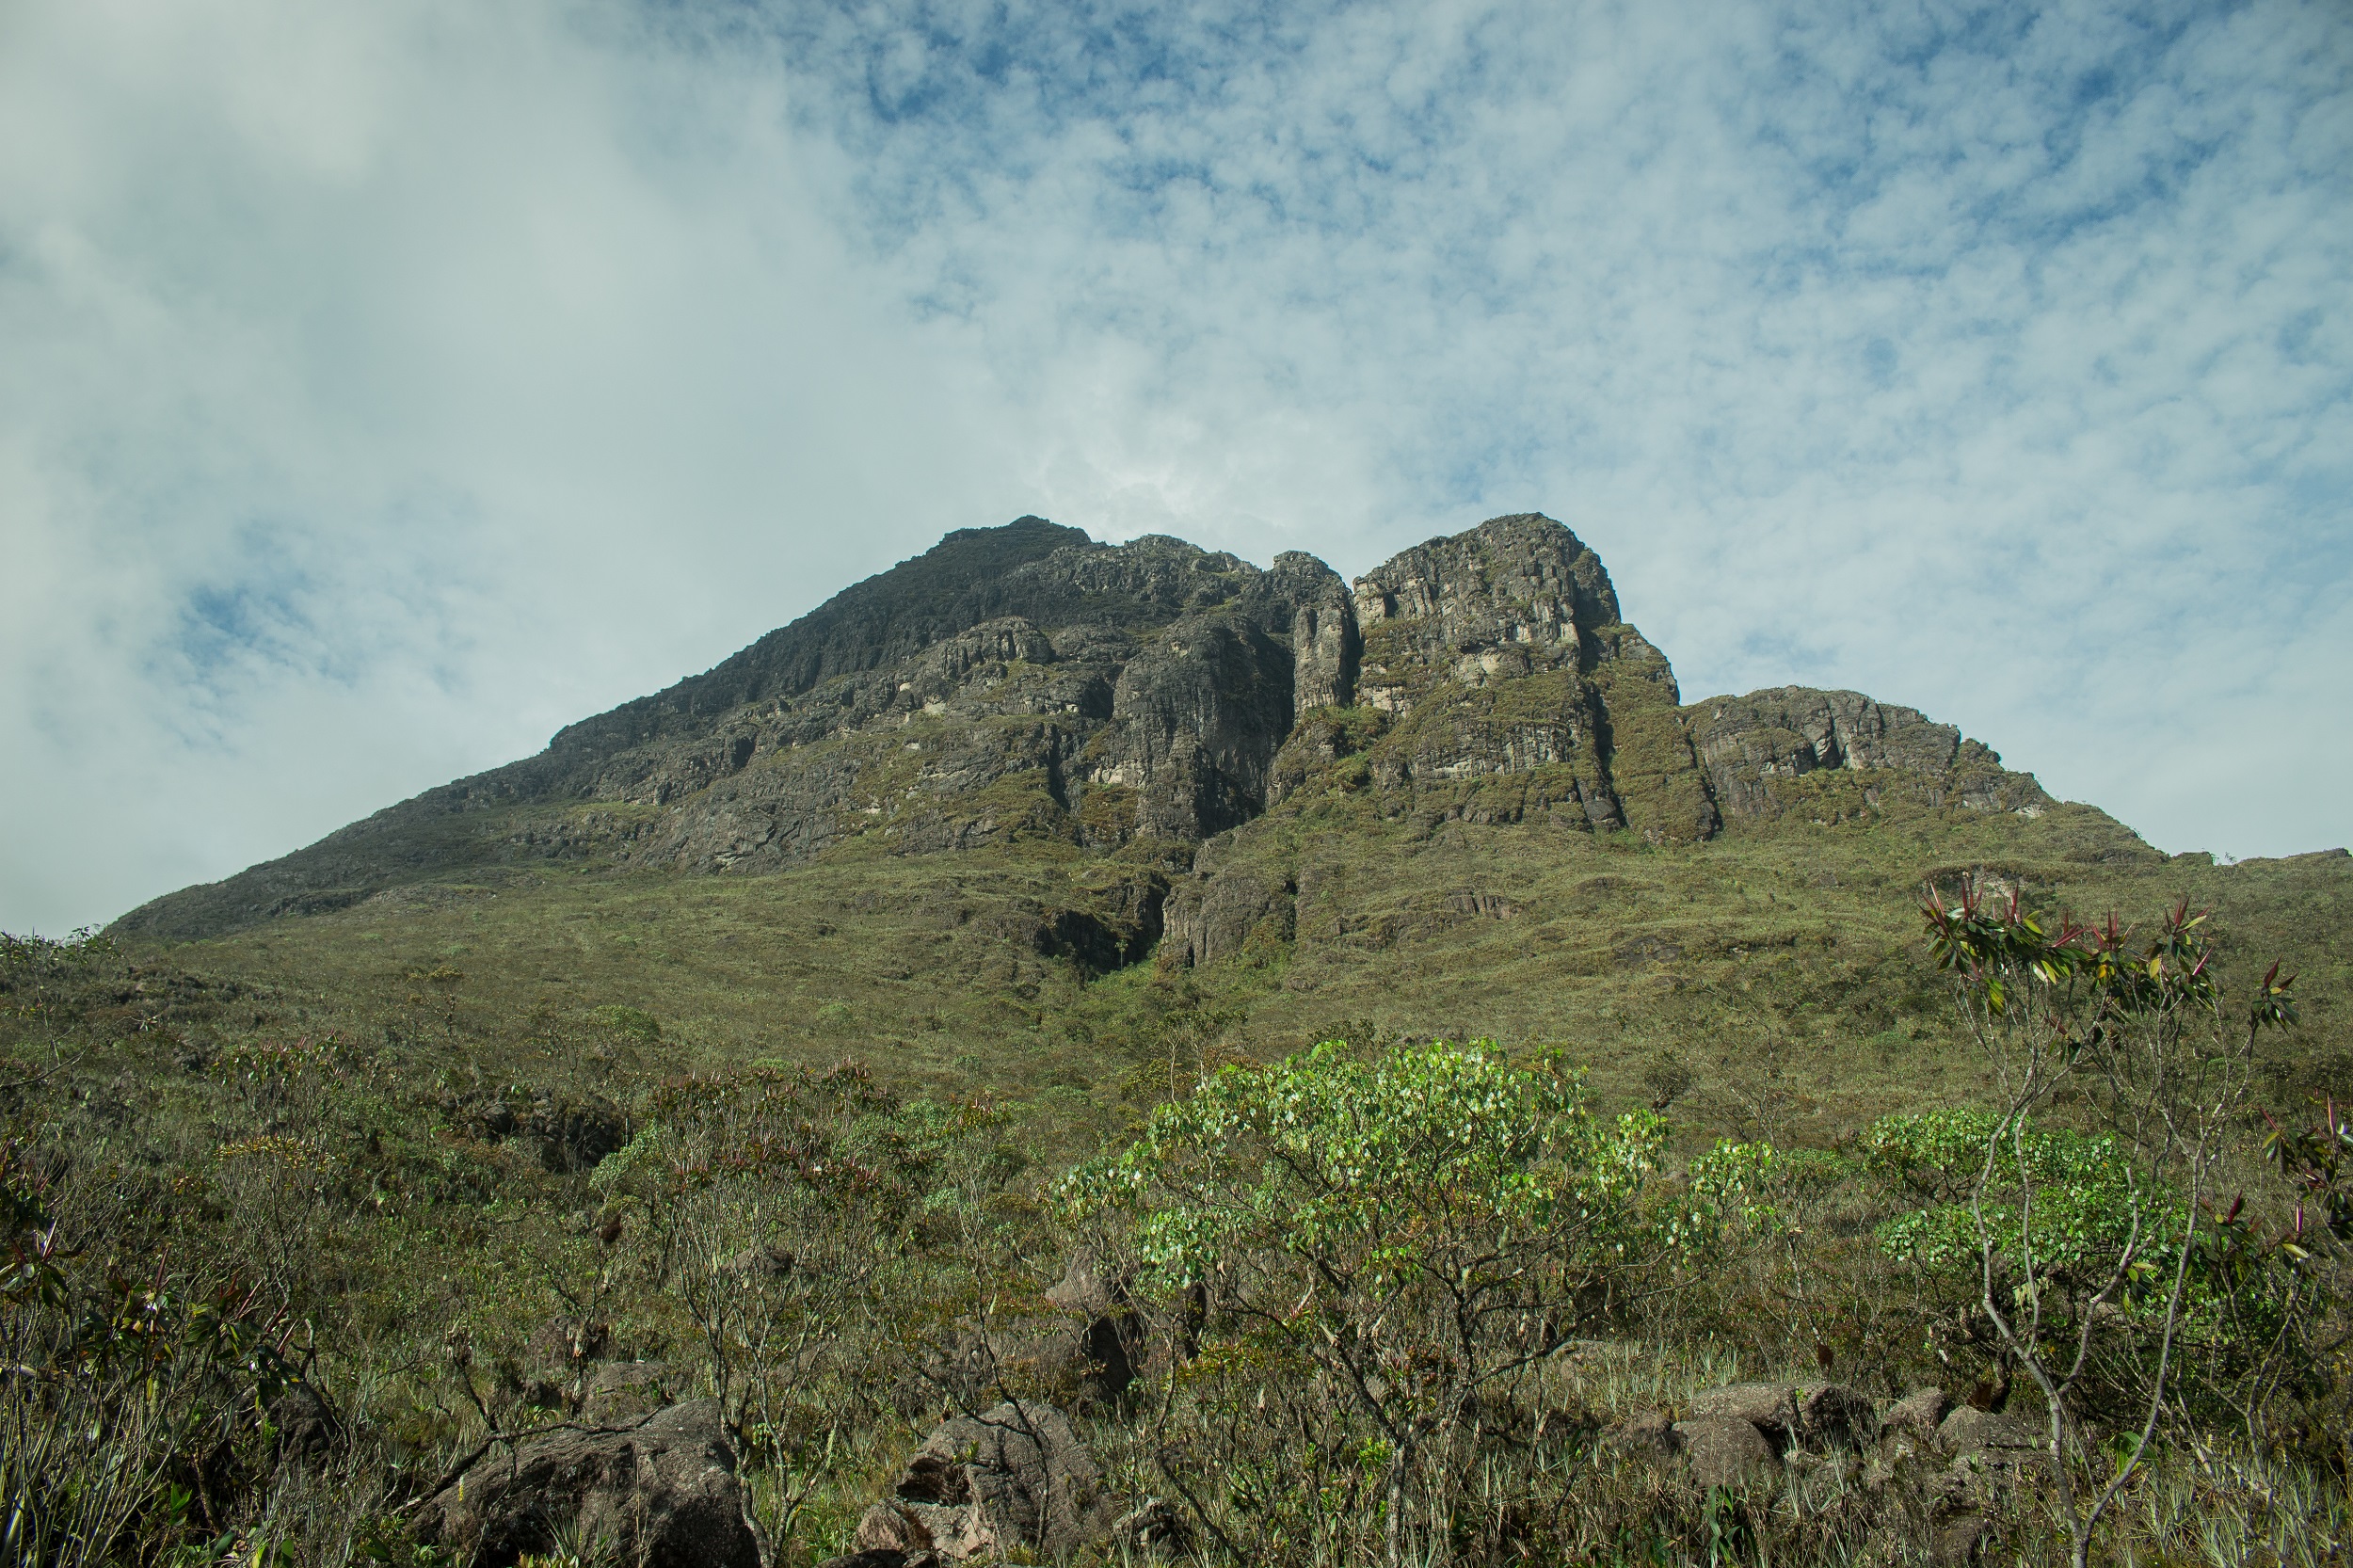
1779 965
292 1250
756 1030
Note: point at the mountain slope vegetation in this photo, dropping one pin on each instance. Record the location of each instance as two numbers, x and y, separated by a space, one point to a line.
1406 1083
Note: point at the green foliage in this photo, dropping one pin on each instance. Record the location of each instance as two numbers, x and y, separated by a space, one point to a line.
1398 1240
638 1168
1382 1169
121 1389
2066 1229
2089 1202
1626 950
36 973
847 1256
1732 1190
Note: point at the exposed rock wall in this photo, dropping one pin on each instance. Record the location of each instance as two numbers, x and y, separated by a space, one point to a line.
1028 682
1746 744
1326 646
1521 581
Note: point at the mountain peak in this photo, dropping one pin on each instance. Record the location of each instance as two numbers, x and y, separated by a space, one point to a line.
1523 580
1025 682
1028 527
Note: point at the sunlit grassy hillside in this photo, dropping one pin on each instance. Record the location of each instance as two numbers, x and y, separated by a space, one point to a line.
1782 968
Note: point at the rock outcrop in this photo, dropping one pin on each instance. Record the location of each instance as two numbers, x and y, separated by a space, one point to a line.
1746 744
1957 1463
1982 1441
661 1490
1769 1407
1918 1415
1027 682
1723 1452
1014 1477
1744 1431
1079 1346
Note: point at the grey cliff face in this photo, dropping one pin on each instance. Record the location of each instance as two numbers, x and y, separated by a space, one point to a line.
1163 685
1196 720
1515 582
1327 648
1027 682
1788 733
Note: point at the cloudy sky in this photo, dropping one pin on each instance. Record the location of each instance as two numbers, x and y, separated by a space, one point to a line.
384 385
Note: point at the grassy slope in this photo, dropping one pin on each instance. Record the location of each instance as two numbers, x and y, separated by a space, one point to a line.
1782 964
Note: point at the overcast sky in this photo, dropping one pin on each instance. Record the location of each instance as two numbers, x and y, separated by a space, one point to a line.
385 385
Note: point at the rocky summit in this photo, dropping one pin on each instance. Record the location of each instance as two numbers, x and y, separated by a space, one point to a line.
1027 682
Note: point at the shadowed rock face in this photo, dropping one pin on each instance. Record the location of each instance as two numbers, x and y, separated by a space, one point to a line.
1026 682
1789 732
1015 1477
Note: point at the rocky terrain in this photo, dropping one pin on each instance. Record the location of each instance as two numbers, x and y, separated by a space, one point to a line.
1025 684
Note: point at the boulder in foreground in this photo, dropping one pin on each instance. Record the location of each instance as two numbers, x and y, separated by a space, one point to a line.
983 1485
661 1491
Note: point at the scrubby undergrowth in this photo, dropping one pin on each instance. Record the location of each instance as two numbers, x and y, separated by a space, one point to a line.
1377 1302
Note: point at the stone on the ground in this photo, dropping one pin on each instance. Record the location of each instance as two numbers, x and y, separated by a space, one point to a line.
1725 1451
1110 1343
1835 1416
1647 1432
1769 1407
305 1425
1918 1414
1958 1539
661 1491
1970 1430
1013 1477
1087 1287
1987 1450
1056 1349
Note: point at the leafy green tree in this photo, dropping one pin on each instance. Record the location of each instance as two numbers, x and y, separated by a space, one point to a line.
2086 1192
1409 1232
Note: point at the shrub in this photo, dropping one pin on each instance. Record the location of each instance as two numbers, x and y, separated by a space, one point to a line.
1372 1258
2142 1028
636 1023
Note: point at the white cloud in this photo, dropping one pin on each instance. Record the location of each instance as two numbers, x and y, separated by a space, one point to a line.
388 385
